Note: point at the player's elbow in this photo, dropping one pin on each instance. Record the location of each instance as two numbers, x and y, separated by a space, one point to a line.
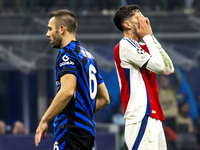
67 94
107 101
168 71
162 69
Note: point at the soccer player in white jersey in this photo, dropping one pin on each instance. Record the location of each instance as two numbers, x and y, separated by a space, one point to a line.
137 65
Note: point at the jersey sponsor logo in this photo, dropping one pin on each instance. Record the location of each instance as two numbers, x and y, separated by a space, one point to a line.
66 60
140 51
66 63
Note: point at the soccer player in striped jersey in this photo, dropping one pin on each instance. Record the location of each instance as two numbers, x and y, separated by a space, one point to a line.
80 88
137 65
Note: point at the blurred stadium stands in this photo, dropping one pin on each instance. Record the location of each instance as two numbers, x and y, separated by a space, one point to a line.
27 60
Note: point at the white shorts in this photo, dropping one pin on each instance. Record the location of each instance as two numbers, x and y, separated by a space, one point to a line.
147 134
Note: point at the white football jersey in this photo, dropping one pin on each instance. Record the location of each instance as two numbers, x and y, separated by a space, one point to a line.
138 85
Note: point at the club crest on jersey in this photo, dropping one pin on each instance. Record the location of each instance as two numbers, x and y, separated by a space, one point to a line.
140 51
66 61
65 58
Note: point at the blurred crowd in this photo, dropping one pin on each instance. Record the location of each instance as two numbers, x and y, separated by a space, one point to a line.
85 7
180 129
17 128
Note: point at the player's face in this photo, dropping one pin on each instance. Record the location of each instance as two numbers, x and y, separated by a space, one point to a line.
134 19
53 34
136 13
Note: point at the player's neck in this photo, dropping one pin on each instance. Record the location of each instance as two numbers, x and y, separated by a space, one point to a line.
67 39
132 36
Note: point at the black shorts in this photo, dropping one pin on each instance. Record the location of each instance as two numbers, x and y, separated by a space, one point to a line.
74 139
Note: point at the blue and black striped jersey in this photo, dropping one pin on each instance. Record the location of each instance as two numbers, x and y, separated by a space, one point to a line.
79 113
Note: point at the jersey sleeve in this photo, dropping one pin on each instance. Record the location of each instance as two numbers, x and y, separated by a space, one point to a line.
99 77
132 53
169 68
160 61
67 64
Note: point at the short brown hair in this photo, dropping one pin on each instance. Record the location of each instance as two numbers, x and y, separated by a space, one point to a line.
123 13
66 18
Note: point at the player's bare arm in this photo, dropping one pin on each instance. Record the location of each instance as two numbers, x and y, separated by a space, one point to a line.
102 97
62 98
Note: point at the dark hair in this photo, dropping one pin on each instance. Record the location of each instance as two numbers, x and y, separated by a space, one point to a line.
66 18
123 13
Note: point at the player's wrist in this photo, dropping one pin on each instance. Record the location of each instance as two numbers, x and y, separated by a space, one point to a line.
147 37
44 120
